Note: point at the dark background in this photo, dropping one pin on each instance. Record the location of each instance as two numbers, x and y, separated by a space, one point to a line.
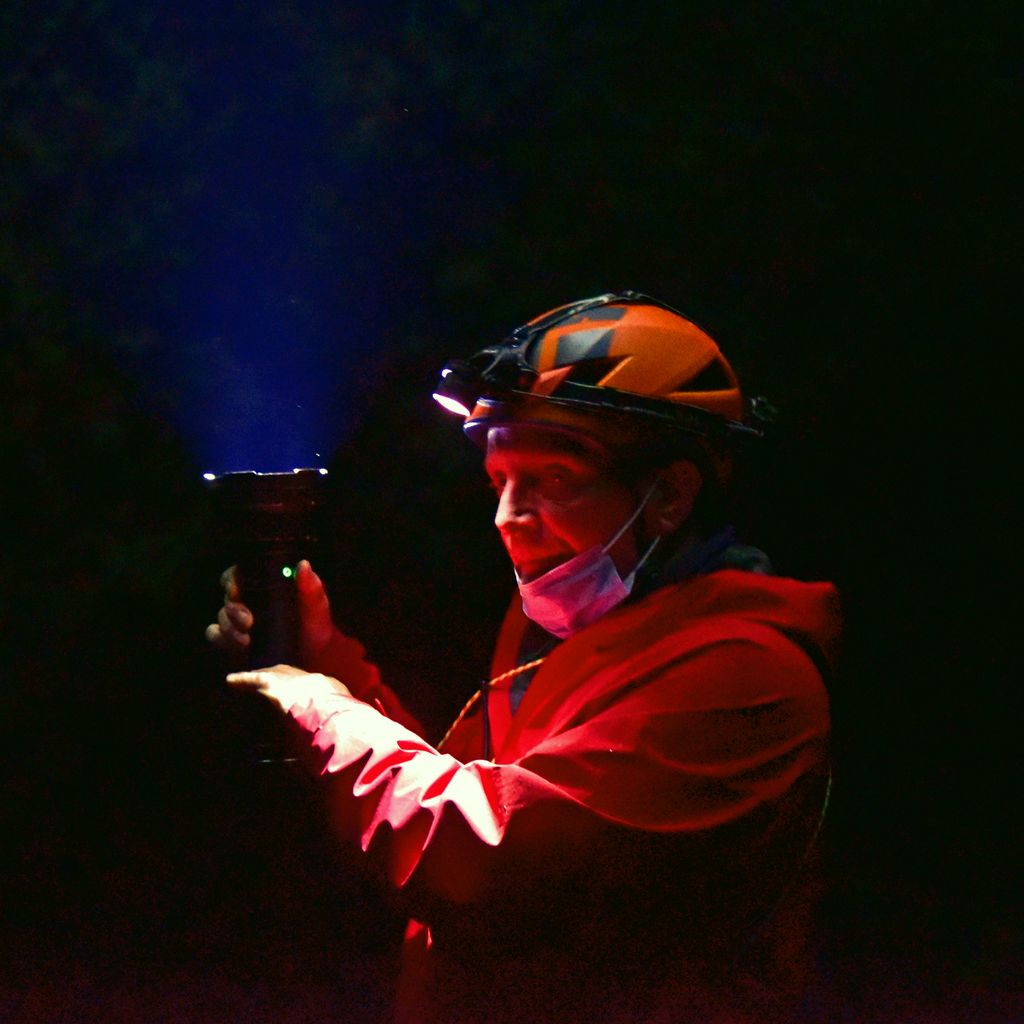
247 236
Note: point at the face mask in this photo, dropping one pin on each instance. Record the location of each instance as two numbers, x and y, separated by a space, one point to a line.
581 590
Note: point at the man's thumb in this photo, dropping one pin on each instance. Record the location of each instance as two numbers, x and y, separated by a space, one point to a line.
315 620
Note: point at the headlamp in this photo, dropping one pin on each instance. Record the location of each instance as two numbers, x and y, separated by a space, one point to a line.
496 372
458 388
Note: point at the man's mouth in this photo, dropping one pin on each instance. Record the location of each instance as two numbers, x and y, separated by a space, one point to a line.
530 568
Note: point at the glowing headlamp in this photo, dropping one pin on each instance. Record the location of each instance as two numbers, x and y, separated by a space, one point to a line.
496 372
459 388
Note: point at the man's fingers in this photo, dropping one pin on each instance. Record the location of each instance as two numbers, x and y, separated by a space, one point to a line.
230 633
231 630
229 584
288 687
266 675
236 616
255 679
225 638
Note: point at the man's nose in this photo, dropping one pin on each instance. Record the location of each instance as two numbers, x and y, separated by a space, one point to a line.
514 506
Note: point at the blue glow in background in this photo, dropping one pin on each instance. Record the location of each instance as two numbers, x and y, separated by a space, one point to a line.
264 344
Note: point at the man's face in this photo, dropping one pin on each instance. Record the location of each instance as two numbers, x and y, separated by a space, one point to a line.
556 498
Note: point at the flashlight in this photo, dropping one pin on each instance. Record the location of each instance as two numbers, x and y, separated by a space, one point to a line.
269 522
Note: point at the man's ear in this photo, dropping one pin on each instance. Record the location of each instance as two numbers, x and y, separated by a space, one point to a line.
675 493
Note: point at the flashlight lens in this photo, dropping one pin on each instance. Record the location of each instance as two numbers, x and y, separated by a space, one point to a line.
287 572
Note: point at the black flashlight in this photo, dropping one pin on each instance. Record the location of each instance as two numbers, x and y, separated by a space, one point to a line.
267 523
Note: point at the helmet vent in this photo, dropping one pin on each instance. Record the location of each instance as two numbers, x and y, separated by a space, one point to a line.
593 371
580 346
600 313
712 378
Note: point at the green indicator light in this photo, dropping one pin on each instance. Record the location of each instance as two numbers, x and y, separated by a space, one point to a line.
287 572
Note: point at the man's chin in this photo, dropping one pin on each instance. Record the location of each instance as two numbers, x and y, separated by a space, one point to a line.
529 571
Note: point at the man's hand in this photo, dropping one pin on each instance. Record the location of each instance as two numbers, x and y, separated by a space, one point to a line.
234 621
232 630
287 686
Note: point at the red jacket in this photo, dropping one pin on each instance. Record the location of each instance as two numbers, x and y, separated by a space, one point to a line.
649 807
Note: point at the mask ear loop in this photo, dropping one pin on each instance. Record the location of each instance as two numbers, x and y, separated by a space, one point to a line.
628 523
647 554
628 581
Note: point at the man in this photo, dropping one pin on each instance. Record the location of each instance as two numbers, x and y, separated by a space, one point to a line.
617 827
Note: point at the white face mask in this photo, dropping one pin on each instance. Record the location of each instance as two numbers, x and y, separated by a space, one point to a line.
581 590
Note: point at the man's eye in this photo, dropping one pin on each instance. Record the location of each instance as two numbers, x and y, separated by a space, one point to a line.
556 480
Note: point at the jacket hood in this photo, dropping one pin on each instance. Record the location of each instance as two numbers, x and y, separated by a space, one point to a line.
808 613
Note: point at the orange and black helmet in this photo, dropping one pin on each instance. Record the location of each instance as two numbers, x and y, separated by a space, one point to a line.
628 358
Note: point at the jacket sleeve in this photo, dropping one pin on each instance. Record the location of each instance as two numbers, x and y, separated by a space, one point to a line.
661 754
344 658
